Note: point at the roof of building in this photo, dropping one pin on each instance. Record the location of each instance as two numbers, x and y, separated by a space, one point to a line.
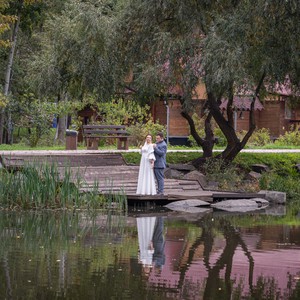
242 103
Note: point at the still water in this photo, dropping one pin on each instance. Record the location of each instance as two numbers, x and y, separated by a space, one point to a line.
157 255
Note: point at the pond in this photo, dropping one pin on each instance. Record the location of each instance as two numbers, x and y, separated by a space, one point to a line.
149 255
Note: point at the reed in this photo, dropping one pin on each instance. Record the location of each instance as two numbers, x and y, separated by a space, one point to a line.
43 186
115 199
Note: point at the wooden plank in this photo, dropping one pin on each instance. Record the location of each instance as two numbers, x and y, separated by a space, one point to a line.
104 126
94 135
75 161
191 194
101 132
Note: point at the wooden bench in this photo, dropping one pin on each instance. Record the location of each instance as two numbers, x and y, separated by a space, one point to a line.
93 133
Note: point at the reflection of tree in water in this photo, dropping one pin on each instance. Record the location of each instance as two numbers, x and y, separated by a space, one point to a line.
216 287
233 240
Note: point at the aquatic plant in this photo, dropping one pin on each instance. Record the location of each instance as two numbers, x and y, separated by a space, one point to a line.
43 185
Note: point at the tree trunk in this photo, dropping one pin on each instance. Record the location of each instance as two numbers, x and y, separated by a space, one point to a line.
234 145
61 123
225 125
208 142
61 129
7 84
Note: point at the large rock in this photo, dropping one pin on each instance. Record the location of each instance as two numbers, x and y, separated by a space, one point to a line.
182 167
196 175
173 174
274 196
241 205
189 206
276 210
212 185
254 175
191 210
297 167
259 168
188 202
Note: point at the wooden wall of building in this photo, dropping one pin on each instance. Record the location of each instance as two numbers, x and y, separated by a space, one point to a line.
178 126
272 117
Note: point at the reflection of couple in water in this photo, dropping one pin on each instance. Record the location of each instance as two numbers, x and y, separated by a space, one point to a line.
151 241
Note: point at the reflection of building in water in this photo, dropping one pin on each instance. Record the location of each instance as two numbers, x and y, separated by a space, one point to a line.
248 255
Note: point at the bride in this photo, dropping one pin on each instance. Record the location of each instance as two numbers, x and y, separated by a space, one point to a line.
146 181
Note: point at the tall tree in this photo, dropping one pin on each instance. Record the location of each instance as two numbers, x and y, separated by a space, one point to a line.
250 49
5 21
75 57
227 44
16 8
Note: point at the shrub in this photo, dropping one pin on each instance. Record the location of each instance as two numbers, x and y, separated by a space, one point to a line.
288 184
138 131
290 138
260 137
199 124
226 174
121 111
33 114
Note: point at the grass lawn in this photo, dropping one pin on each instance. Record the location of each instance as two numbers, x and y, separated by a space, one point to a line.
80 146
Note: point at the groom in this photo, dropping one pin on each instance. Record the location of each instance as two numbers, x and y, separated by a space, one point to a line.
160 151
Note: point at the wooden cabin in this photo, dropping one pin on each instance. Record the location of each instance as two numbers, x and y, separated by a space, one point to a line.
275 113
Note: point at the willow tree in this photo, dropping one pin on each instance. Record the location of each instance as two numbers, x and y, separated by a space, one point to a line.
6 21
228 45
251 49
15 10
75 57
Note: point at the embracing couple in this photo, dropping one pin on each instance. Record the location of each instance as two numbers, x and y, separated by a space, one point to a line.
152 166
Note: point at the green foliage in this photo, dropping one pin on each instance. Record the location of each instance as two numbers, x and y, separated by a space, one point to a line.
221 139
139 131
199 125
127 112
283 175
33 114
123 112
227 45
39 186
172 157
226 174
75 57
277 182
3 100
6 20
290 138
281 163
259 138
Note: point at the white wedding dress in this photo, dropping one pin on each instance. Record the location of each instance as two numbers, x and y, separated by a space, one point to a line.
146 179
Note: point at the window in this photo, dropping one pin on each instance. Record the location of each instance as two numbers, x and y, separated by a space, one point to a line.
287 109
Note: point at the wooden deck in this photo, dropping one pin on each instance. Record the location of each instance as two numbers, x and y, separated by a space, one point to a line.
114 179
110 173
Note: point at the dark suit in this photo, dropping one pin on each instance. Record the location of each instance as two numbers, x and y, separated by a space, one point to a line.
160 164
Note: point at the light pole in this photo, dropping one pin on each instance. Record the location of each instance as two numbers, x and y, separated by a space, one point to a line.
168 118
